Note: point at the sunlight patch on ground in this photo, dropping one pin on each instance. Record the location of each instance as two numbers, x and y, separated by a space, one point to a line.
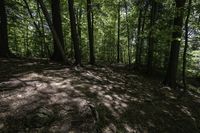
111 128
128 128
59 91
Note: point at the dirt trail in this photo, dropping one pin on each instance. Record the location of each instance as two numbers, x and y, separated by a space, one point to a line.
36 96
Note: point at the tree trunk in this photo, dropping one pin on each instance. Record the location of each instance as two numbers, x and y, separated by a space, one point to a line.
79 20
74 32
90 32
41 36
118 37
151 39
171 75
142 38
46 50
4 49
57 23
137 60
51 26
128 35
27 42
186 44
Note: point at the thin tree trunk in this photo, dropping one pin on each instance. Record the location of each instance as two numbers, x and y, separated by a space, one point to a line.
4 48
151 39
74 32
35 24
27 41
90 32
128 35
55 35
137 61
171 75
186 44
118 36
40 36
79 20
142 38
46 47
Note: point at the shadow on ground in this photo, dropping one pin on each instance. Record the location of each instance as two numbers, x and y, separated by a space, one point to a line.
36 96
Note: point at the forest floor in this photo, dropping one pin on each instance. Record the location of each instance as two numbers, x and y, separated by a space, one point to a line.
36 96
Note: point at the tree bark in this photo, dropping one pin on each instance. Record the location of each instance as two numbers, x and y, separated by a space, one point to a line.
90 32
41 35
74 32
57 23
171 75
79 20
151 39
128 35
4 48
54 32
137 60
44 47
142 38
118 36
186 44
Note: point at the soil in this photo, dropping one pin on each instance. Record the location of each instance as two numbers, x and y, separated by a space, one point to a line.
37 96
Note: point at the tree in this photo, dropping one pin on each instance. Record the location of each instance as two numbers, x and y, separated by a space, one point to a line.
137 58
118 32
142 34
128 33
4 48
142 8
74 32
40 35
171 75
55 35
149 34
79 23
186 43
90 31
57 23
151 39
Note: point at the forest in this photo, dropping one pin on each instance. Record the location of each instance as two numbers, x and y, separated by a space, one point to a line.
99 66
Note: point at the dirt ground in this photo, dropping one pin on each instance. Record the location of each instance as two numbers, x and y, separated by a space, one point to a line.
42 97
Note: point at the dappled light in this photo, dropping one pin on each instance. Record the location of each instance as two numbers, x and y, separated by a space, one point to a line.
55 99
99 66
